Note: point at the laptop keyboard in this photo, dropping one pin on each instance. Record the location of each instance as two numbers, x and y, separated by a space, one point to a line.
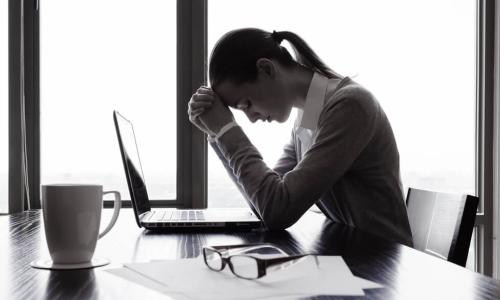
177 215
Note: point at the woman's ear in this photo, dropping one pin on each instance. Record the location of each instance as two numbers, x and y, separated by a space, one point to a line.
266 67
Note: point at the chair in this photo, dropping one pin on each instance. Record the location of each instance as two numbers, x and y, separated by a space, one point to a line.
441 223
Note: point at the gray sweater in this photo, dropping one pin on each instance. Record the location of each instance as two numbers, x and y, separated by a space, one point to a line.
346 162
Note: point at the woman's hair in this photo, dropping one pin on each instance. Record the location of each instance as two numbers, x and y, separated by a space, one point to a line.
235 55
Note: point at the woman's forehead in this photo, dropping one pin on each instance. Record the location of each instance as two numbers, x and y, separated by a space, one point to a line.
230 93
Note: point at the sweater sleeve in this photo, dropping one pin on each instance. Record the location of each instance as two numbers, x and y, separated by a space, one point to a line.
344 129
232 176
288 159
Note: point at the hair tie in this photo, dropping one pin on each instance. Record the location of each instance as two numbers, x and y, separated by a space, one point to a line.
277 37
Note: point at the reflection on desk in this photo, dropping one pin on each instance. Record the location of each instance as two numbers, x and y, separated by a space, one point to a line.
404 272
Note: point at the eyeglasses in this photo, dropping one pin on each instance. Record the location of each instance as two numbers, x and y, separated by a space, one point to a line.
246 266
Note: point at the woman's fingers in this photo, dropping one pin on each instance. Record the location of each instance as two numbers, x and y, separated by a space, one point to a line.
197 108
197 112
193 118
205 93
200 104
202 97
205 90
202 100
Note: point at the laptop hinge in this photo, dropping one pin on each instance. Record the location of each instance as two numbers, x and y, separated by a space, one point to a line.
144 216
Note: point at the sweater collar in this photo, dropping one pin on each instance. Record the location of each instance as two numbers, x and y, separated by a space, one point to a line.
308 116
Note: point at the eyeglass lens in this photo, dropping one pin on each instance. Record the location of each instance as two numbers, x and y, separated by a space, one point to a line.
244 266
213 259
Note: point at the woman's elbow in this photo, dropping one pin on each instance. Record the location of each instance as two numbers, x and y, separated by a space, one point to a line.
274 223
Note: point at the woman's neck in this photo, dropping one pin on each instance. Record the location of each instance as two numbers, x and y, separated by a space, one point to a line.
300 79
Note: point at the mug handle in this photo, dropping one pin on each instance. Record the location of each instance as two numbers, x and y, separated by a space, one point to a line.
116 211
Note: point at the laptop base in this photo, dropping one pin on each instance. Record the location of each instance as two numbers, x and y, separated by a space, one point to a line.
202 226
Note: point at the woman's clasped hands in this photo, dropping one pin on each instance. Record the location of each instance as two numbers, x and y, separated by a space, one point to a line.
207 111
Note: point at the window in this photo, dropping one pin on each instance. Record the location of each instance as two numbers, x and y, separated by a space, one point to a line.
422 73
4 108
100 56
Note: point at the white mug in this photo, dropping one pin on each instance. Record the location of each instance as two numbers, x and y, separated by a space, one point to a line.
72 217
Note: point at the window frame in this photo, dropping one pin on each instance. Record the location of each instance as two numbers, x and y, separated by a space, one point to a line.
496 146
191 74
24 55
485 68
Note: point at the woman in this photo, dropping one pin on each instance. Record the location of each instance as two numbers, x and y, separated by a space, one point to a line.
342 155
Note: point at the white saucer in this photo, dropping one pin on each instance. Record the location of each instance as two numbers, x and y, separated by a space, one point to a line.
46 263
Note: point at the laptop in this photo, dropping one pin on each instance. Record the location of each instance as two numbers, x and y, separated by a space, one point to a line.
210 218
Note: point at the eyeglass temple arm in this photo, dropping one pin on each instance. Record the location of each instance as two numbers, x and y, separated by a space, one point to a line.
248 247
279 263
236 246
279 260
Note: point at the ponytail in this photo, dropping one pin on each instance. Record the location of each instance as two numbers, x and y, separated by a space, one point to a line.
235 55
304 54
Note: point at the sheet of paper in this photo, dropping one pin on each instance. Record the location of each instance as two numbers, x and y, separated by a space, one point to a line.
137 278
328 262
367 284
192 276
146 282
333 277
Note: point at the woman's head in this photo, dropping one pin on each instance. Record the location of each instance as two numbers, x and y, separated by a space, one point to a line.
248 70
235 55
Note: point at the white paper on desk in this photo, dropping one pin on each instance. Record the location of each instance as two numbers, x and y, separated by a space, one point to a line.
137 278
192 277
329 262
331 277
146 282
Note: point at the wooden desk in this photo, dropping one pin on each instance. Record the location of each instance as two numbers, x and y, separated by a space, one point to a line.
405 272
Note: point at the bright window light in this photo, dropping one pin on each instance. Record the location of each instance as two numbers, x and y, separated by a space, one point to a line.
96 57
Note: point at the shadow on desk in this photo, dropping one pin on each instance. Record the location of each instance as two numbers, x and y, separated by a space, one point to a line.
75 282
331 239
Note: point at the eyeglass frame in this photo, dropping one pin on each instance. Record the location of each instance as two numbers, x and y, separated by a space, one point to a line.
262 263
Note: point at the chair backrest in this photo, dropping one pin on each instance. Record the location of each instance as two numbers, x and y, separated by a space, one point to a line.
441 223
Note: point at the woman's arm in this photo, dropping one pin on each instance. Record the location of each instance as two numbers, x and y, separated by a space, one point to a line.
288 159
231 175
344 130
287 162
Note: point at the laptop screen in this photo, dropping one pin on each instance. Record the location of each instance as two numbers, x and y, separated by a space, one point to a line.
132 164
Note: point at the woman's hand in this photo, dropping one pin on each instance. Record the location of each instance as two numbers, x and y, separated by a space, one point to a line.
199 102
207 112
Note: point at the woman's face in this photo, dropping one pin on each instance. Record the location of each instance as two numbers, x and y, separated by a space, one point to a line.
263 99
